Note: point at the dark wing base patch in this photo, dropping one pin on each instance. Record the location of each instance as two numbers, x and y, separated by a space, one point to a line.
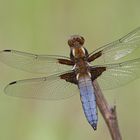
94 56
96 72
66 62
69 77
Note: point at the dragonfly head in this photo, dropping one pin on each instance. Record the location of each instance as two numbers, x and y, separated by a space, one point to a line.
76 41
76 45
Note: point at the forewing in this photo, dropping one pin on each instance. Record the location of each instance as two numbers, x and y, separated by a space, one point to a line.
118 49
52 87
117 75
35 63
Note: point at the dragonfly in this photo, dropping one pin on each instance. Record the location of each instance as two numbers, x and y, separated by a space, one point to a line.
77 73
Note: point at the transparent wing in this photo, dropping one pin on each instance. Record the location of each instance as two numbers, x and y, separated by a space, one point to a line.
52 87
117 75
118 49
35 63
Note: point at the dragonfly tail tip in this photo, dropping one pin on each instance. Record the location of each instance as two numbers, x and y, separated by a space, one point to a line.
94 126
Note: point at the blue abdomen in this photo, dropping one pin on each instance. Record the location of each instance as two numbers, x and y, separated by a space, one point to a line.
88 100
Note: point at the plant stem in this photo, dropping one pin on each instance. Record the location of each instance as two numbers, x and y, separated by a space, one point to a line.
109 113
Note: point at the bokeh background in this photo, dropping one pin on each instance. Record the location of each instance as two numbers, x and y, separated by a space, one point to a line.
43 27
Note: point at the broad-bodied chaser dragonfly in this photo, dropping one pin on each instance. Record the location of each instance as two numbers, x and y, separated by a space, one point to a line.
75 73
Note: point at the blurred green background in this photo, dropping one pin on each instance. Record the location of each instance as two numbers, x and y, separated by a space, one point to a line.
43 27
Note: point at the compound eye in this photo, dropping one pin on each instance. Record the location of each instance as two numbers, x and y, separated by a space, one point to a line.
82 40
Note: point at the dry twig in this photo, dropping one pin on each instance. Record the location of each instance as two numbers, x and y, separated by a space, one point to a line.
109 113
